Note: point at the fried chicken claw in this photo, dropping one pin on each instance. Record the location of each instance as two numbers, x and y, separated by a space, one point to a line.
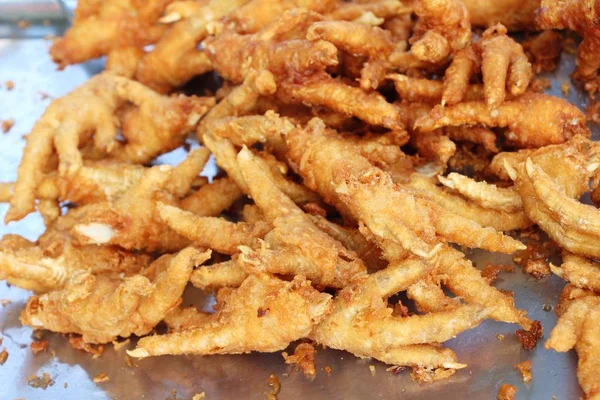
570 223
514 14
580 16
261 304
99 28
104 307
362 323
579 271
577 327
532 119
502 62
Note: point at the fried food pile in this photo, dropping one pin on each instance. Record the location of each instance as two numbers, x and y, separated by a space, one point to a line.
361 145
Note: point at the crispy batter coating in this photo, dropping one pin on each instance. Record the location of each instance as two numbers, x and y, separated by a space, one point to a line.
106 306
182 319
580 16
123 61
577 328
99 28
514 14
532 120
362 323
239 326
381 9
544 50
216 276
579 271
42 268
212 199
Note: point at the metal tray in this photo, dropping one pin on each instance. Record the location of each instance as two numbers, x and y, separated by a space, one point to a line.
490 361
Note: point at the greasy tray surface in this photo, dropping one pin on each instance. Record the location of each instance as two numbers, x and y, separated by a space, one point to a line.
490 361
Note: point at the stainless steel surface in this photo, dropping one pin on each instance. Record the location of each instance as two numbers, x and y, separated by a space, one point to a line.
490 361
42 17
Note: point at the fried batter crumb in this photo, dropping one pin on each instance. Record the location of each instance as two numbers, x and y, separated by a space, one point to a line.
500 337
422 374
537 268
7 125
39 346
101 378
3 356
327 369
400 310
529 338
119 345
262 312
10 85
199 396
525 369
491 271
41 382
507 392
565 88
78 344
275 386
303 358
395 369
5 302
372 369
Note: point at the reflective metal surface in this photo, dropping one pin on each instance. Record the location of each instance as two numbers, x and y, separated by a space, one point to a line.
490 361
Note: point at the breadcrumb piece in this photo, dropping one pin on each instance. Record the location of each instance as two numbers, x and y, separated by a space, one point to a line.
490 271
303 358
372 369
537 268
3 356
525 369
327 369
395 369
10 85
7 125
500 337
529 338
79 344
422 374
565 88
507 392
39 346
41 382
275 386
199 396
101 378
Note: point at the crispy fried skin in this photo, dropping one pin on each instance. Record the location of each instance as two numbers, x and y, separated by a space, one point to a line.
214 277
362 323
548 120
104 307
239 326
577 328
124 61
99 28
482 193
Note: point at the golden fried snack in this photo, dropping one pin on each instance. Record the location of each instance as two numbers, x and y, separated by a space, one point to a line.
362 323
579 271
295 246
482 193
98 28
175 58
381 9
123 61
96 101
106 306
577 328
41 268
418 224
514 14
183 319
532 120
567 221
217 276
489 217
580 16
212 199
260 304
210 232
544 50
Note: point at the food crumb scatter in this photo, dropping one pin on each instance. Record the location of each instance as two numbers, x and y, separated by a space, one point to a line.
3 356
303 358
41 382
528 339
507 392
39 346
10 85
101 378
525 369
199 396
7 125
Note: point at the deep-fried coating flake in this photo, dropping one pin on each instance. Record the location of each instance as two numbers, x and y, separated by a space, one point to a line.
99 27
104 307
383 9
532 119
577 327
362 323
239 326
